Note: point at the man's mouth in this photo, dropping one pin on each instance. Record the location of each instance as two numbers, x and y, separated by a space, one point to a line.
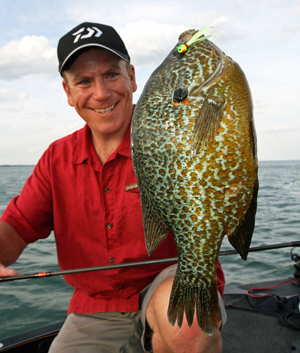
106 110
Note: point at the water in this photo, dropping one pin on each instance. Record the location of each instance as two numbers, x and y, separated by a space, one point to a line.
30 304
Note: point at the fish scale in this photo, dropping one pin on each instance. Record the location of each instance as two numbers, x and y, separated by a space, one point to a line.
194 154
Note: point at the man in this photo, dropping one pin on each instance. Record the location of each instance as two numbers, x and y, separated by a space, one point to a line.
83 188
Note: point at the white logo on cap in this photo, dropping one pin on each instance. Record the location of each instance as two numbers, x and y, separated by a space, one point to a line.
90 33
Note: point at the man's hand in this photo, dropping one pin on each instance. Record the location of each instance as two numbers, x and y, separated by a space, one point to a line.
11 247
6 272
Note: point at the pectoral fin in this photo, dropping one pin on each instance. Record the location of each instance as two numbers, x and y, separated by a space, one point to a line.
207 121
241 237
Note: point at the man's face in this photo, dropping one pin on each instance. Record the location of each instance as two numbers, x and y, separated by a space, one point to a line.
100 86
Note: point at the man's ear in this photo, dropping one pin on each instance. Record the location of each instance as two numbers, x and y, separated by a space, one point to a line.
132 78
67 90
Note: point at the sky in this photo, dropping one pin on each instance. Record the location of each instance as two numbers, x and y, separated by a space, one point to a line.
263 37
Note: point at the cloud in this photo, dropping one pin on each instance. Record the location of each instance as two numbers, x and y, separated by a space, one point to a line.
118 13
278 128
149 42
62 130
29 55
10 95
224 29
282 10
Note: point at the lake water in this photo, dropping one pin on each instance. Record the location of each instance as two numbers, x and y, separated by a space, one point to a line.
30 304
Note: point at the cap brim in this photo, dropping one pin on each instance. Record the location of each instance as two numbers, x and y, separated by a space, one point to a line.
122 56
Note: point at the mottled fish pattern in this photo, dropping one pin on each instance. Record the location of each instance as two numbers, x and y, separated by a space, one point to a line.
194 154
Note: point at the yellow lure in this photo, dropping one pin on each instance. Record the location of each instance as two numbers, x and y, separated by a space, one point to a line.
195 38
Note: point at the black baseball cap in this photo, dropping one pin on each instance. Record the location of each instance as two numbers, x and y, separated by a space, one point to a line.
89 34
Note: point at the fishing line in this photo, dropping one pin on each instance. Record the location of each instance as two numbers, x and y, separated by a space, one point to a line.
269 122
261 289
288 159
278 139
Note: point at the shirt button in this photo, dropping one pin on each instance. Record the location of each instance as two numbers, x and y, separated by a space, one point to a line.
111 259
107 190
121 287
109 226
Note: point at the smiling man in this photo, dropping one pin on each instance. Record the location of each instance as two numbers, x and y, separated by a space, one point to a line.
100 85
84 189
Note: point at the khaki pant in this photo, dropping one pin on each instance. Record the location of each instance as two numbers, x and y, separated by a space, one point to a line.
99 333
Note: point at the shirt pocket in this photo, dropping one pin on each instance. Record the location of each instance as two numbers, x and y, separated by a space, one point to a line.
131 189
132 192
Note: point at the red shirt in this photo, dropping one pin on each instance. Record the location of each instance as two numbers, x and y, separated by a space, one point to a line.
95 222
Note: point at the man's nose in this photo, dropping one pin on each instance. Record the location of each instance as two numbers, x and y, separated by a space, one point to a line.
101 91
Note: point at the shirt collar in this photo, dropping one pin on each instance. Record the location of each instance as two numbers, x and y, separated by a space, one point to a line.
124 148
83 145
85 150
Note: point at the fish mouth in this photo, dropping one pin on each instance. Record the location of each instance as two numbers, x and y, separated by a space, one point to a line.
105 110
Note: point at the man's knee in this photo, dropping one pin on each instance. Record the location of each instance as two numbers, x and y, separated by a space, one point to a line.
167 338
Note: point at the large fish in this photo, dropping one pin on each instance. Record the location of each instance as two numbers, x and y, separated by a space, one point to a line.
194 154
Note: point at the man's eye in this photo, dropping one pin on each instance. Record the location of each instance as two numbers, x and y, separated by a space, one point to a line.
112 75
83 82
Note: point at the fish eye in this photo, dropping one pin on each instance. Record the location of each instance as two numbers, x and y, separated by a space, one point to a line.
180 94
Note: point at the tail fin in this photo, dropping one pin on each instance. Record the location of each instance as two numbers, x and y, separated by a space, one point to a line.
185 298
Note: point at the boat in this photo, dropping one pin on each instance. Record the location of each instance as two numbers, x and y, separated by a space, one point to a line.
262 317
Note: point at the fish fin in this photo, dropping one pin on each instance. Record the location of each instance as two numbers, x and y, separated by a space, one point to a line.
155 228
188 298
241 237
207 121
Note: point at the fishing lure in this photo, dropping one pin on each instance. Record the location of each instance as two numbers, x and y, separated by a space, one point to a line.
184 47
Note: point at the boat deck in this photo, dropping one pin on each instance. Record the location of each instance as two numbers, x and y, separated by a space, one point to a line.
255 332
253 324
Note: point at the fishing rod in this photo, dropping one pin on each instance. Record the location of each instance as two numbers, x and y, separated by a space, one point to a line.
292 244
140 263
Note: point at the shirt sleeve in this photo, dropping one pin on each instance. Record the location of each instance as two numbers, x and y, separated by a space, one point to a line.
31 212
